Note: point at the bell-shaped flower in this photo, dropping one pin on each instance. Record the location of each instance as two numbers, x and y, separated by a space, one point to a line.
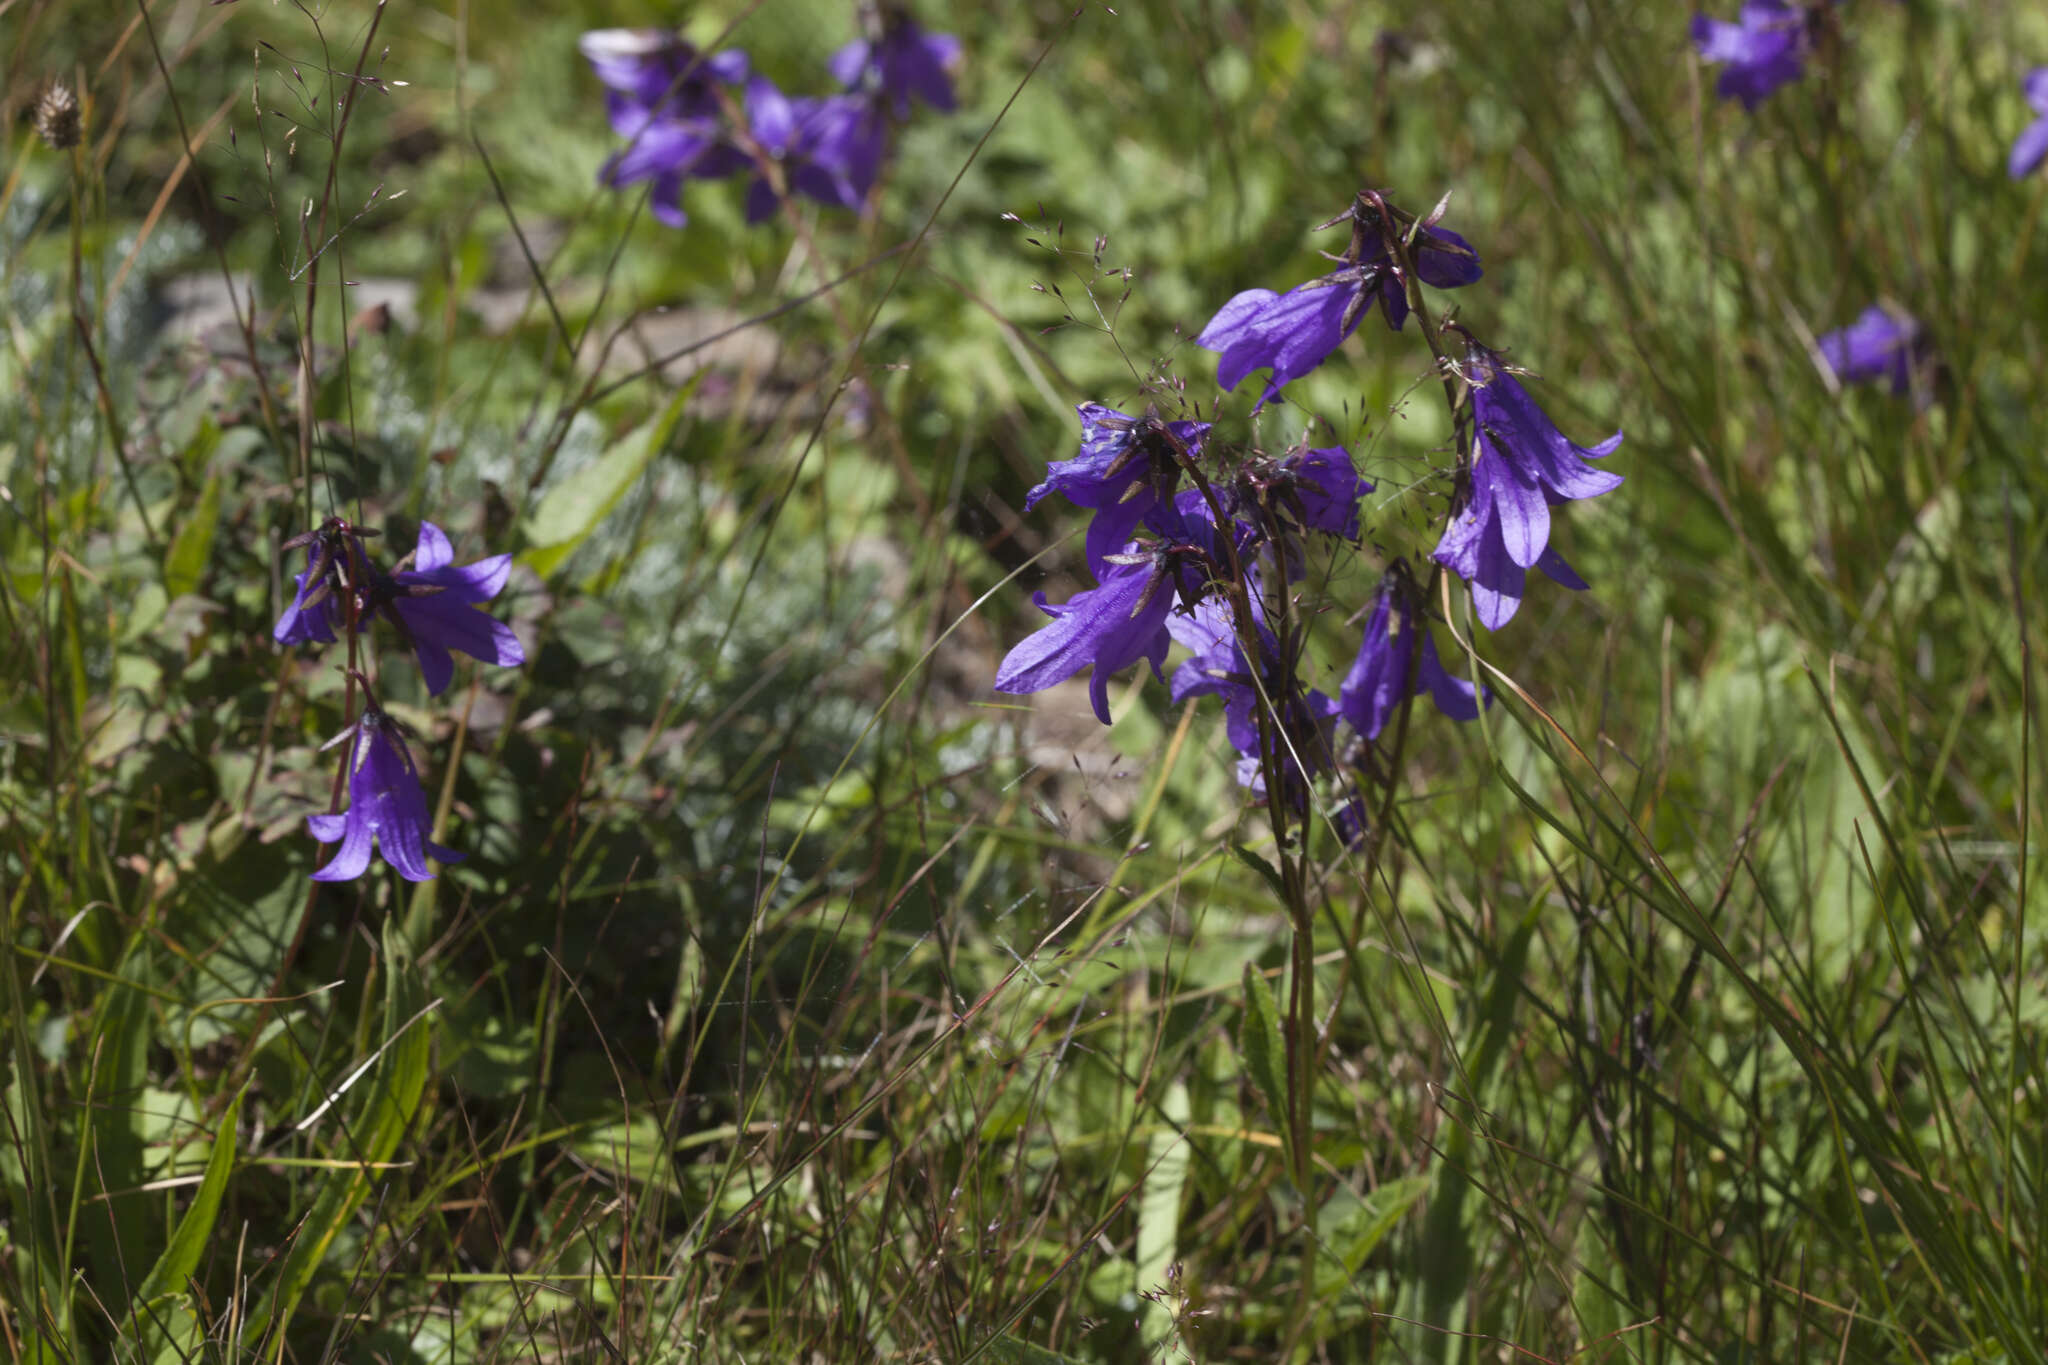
1764 49
1106 628
1217 667
662 98
1879 345
2030 148
830 147
386 808
1292 333
432 601
1126 471
1380 678
336 567
1522 466
904 62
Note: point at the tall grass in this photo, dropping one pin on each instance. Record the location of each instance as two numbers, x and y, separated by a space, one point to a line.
800 1000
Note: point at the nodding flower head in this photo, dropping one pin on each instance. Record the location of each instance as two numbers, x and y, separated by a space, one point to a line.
1126 472
386 808
1392 667
904 61
432 601
1879 345
1522 466
2030 148
830 147
662 97
1218 667
1765 48
1292 333
336 569
1107 628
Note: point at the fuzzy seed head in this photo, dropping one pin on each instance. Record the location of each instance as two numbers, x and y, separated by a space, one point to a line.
56 117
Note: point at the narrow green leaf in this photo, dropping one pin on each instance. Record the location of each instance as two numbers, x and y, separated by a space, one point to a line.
188 1242
1008 1350
1159 1207
1351 1228
1265 1056
192 545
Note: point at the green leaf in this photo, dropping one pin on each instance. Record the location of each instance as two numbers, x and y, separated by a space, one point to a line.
570 510
1350 1228
398 1079
188 1243
192 546
1159 1207
1265 1057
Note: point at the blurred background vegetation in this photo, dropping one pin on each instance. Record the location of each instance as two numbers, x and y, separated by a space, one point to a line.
801 999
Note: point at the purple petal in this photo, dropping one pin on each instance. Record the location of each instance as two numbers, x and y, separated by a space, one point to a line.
1454 696
2029 149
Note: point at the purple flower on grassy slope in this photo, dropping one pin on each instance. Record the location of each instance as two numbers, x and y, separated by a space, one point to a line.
830 148
335 566
661 95
1107 628
1292 333
385 807
1522 466
1764 49
1126 470
655 70
1878 345
1379 678
434 605
904 62
2030 148
1217 667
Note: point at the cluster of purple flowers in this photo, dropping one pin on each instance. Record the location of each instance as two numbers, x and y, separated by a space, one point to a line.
1211 565
691 115
432 603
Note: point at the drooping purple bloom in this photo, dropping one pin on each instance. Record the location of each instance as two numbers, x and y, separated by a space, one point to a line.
1292 333
1217 667
1379 679
386 808
904 62
1522 466
1324 486
1764 49
830 147
662 98
1126 471
2030 148
434 604
1107 628
1878 345
336 566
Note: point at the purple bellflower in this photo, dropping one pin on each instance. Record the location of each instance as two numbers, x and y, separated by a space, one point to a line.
1522 466
830 147
1292 333
335 567
2030 148
1108 627
1125 473
1764 49
1878 345
430 599
661 94
1379 678
1320 489
434 605
385 807
904 62
1217 667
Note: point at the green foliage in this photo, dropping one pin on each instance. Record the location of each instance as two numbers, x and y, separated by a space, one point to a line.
801 999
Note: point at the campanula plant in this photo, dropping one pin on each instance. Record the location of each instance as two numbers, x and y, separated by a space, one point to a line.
387 809
1879 345
1765 48
2030 148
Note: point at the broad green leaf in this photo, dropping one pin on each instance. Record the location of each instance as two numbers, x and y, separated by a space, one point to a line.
192 544
1350 1228
570 510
